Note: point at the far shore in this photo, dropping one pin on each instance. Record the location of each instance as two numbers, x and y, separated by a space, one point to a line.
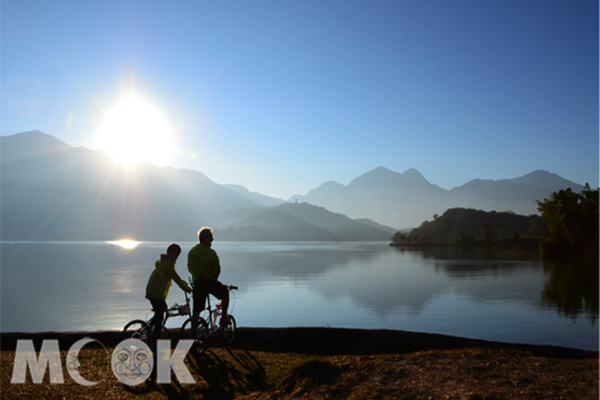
506 244
324 341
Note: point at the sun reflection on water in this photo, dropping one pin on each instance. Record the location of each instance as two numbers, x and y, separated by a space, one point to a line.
125 243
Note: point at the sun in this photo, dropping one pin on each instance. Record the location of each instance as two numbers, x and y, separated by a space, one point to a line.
135 130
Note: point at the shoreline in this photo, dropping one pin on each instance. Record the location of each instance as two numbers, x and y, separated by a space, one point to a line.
321 341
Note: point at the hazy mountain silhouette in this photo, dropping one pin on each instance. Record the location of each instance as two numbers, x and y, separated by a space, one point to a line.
52 191
405 200
29 145
304 222
518 194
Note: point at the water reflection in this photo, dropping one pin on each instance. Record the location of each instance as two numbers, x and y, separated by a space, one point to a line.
384 280
573 288
124 243
495 295
412 280
448 252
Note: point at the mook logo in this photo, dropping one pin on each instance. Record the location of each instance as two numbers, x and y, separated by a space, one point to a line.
132 362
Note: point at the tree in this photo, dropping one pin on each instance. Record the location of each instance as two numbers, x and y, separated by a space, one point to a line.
572 222
400 237
487 231
457 222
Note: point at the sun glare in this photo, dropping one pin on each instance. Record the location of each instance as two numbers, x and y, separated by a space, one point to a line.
125 243
135 130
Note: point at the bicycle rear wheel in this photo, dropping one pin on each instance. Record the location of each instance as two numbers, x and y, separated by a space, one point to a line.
201 337
186 329
137 329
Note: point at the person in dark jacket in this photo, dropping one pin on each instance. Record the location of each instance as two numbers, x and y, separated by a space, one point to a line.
205 267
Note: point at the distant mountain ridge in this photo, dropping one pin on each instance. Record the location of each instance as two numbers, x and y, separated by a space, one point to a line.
405 200
303 221
52 191
31 144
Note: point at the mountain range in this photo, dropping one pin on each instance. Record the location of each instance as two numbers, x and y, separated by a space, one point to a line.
405 200
53 191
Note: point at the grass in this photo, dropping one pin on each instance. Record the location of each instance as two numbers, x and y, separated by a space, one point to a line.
473 373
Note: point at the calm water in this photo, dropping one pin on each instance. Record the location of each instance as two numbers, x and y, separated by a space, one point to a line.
503 296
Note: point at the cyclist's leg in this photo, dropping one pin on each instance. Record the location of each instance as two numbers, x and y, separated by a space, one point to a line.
225 305
160 307
221 292
199 303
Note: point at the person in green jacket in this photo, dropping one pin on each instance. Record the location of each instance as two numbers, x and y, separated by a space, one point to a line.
205 267
159 284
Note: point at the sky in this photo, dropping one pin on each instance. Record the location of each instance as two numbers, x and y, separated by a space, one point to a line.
281 96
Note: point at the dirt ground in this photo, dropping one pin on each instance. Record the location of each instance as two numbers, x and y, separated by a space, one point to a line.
312 363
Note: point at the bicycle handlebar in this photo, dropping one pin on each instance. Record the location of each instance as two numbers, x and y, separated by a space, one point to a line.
231 287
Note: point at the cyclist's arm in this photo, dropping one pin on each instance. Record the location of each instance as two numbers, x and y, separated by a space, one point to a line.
215 266
184 286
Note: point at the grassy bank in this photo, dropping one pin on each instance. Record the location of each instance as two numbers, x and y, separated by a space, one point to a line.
329 363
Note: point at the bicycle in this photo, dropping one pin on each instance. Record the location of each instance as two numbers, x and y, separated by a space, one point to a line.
142 330
209 330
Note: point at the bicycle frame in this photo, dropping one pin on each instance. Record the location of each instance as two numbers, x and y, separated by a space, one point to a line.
208 329
143 328
175 310
212 314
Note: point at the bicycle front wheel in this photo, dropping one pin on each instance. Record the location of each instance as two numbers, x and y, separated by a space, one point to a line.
201 336
137 329
229 331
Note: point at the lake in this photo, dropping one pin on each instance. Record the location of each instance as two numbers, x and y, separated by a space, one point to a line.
508 296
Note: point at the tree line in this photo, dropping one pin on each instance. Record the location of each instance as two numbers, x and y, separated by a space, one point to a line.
567 226
572 223
470 226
